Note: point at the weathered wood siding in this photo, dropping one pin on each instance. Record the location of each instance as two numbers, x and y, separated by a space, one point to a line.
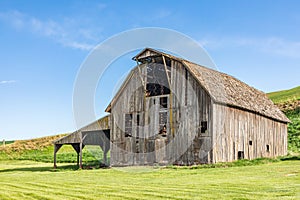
188 106
234 130
191 106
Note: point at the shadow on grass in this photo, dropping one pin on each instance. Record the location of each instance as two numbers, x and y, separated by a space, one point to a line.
290 158
41 169
71 167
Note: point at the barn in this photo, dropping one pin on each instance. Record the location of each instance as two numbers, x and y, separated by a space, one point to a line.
172 111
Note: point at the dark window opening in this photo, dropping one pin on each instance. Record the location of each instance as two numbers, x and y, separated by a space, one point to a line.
186 74
268 148
250 142
138 124
240 155
155 89
128 125
137 119
203 126
164 102
157 80
186 88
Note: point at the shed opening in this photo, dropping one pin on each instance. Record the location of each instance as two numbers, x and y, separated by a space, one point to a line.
250 142
268 148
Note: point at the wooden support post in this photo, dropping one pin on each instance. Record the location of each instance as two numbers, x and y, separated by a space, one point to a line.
140 75
56 148
77 159
55 166
170 97
80 155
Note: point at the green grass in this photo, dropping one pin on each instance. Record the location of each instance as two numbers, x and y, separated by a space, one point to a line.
31 180
26 172
92 155
6 142
285 95
294 130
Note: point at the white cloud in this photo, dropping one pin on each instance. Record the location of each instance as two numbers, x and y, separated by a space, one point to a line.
77 45
7 82
271 45
66 32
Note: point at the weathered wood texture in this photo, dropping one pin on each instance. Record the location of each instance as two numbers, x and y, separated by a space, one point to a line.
188 106
237 130
172 111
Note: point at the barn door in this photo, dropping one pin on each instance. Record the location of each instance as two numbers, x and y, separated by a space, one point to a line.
158 128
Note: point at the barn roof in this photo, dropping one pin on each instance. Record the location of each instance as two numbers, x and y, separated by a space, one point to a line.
224 89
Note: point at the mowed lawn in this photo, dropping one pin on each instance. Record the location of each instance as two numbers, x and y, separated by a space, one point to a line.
32 180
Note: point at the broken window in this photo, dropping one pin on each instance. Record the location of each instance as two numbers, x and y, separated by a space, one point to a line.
137 119
163 118
203 126
128 125
240 155
268 148
157 80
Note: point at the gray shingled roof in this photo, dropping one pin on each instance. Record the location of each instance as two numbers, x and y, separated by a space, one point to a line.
228 90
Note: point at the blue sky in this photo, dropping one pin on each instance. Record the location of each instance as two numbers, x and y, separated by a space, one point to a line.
43 44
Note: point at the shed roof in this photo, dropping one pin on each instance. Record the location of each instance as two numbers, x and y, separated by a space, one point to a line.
76 137
224 89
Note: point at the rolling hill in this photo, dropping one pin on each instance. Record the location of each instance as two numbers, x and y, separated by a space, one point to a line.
289 102
285 95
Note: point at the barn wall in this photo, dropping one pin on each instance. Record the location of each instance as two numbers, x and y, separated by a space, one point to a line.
191 106
234 129
188 106
129 101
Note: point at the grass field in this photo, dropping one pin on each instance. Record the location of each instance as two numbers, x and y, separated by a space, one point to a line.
6 142
285 95
26 172
32 180
286 100
294 130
